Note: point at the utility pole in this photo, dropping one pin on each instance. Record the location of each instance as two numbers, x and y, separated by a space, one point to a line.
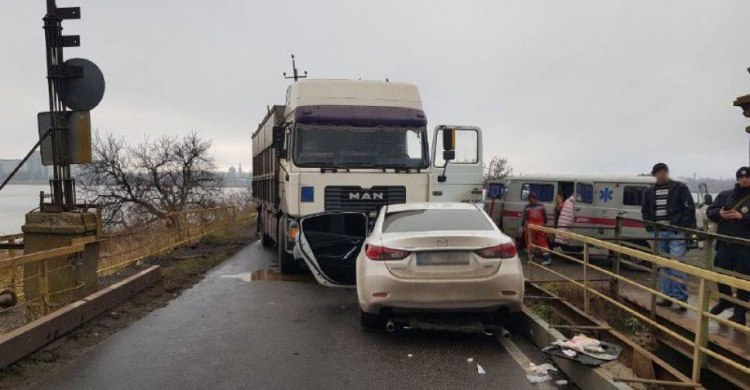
295 75
62 185
75 87
743 102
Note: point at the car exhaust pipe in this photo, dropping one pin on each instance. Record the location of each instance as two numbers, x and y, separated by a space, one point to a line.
504 333
390 327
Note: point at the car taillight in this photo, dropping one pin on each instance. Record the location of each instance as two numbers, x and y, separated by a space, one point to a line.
375 252
504 251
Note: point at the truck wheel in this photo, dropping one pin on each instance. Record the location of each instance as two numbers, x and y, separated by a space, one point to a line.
265 240
287 263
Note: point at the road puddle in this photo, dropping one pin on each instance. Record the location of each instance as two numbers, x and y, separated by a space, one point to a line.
272 276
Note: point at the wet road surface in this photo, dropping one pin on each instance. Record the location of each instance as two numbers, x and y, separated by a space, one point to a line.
230 331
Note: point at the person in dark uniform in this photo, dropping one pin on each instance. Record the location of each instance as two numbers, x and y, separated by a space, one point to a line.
731 211
670 203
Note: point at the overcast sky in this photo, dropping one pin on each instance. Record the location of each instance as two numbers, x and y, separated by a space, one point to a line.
592 87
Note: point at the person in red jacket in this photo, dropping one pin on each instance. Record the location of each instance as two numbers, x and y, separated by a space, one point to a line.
535 214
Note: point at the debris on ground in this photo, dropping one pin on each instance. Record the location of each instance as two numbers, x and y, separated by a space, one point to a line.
539 374
480 370
561 382
410 355
470 360
585 350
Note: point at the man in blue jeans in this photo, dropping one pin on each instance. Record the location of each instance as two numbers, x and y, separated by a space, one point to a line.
670 203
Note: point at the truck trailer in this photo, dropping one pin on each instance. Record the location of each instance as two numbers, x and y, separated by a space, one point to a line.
326 161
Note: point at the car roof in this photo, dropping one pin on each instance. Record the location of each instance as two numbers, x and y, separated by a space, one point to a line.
431 206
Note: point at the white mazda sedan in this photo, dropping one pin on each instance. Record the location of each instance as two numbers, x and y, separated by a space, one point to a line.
437 257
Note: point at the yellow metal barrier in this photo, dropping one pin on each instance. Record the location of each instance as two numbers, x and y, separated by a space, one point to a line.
699 344
117 250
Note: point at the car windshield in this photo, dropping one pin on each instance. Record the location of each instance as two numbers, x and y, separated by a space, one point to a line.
435 220
348 146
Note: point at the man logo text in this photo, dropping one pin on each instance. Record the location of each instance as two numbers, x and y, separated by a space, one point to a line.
365 196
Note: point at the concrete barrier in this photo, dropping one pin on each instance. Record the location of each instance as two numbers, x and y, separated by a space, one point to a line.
25 340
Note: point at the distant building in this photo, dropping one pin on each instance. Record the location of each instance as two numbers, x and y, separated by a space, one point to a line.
236 178
32 171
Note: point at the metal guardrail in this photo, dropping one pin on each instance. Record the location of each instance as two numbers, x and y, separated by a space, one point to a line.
117 251
700 342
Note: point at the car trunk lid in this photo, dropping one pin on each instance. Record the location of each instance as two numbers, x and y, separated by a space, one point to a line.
442 255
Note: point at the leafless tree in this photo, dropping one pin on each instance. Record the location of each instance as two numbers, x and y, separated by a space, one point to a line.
498 168
136 184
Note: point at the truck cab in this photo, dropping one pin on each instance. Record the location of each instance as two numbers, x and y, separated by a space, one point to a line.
339 150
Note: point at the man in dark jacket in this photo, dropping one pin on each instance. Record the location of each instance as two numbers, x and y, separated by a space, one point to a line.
670 203
731 211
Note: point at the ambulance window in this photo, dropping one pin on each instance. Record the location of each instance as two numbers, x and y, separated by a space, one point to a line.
545 193
495 190
585 193
633 196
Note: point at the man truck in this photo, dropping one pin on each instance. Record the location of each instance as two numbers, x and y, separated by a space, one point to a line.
327 161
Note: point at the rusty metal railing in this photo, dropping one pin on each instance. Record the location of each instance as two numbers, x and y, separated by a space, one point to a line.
699 343
116 251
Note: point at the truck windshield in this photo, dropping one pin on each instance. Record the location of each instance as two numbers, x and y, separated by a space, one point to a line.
351 147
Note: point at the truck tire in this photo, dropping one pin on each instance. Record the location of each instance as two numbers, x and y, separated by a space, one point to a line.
287 263
265 240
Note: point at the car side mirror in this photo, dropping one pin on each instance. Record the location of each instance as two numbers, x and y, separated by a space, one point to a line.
708 199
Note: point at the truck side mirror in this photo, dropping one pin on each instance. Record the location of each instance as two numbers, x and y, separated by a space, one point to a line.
279 134
449 155
708 199
449 140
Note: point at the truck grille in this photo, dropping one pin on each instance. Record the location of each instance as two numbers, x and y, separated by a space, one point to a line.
358 199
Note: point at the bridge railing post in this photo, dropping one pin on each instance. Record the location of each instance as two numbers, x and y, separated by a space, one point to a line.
586 300
655 270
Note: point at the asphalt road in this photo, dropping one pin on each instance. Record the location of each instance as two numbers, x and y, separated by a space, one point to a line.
229 332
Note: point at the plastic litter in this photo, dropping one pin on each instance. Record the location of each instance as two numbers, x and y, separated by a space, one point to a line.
569 352
539 374
538 378
480 370
410 355
470 360
574 348
561 382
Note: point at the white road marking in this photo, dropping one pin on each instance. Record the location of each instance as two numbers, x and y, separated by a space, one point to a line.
521 359
245 277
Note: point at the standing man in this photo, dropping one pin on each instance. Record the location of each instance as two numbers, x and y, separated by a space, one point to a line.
670 203
535 214
731 211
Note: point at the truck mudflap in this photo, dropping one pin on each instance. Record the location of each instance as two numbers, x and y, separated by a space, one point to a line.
330 243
